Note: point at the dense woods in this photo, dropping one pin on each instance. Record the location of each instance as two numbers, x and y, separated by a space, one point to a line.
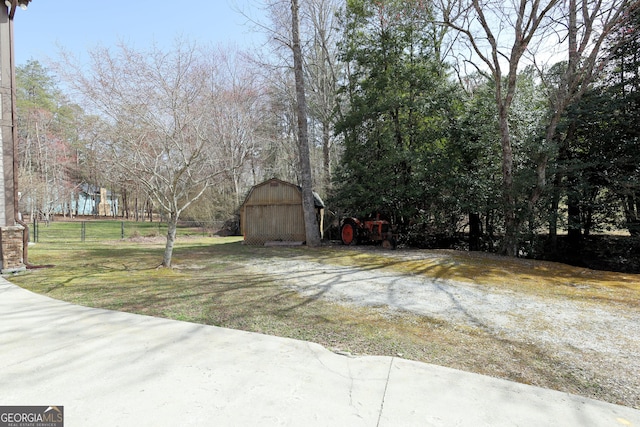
506 127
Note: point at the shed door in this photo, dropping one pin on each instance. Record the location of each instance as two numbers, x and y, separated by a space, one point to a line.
268 222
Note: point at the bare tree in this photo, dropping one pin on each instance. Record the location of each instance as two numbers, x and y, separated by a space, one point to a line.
159 107
281 153
323 70
46 164
238 113
587 25
47 132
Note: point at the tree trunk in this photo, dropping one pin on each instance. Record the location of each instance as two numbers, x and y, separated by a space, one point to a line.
587 222
510 242
308 203
125 203
475 231
632 214
172 226
326 154
553 214
574 223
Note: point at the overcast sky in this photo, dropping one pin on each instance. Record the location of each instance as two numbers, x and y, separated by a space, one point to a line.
80 25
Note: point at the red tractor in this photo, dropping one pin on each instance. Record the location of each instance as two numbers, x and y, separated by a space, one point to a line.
353 231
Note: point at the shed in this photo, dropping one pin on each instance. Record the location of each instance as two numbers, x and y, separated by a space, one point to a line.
272 212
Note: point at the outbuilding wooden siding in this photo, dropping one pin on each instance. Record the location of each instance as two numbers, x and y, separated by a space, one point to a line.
273 212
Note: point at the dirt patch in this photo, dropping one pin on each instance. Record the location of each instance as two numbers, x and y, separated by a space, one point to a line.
583 345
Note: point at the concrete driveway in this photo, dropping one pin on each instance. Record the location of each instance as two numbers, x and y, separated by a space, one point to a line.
116 369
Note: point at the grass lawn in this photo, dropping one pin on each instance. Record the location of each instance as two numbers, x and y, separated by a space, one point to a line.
99 230
212 283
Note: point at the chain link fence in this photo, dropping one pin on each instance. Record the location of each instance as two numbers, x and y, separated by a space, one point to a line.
101 230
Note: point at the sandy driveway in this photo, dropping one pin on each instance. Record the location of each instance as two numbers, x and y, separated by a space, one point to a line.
597 336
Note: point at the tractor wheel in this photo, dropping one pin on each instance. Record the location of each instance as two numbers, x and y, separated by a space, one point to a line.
348 233
389 243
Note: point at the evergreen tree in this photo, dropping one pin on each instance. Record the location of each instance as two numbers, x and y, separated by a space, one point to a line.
397 119
607 124
625 89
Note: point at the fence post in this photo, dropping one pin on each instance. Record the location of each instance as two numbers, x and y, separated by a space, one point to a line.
35 229
83 231
122 230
